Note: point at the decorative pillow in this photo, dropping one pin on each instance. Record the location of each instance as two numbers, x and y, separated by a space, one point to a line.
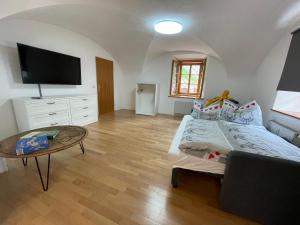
227 111
248 114
229 104
211 112
198 104
249 105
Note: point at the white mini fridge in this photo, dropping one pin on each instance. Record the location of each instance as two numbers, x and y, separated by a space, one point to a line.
146 100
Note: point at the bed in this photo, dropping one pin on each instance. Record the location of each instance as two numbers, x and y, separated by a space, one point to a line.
197 154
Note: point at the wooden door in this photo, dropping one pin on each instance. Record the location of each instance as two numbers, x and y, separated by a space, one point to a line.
105 85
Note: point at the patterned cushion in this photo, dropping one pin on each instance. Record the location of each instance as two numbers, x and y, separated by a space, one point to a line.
227 110
248 114
249 105
229 104
211 112
198 104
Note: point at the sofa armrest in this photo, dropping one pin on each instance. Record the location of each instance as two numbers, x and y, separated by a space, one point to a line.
261 188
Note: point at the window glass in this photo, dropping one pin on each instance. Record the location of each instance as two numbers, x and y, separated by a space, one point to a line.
187 78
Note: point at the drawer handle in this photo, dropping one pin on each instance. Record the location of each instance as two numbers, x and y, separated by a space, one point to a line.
86 116
84 99
52 114
85 107
50 103
53 124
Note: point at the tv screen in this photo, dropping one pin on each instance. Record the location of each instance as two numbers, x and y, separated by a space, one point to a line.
39 66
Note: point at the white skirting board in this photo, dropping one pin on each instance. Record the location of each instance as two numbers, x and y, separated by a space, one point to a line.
3 165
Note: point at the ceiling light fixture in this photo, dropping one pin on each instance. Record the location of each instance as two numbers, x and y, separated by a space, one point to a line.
168 27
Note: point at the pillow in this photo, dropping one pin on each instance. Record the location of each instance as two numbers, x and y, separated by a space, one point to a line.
249 105
248 114
211 112
197 106
229 104
227 111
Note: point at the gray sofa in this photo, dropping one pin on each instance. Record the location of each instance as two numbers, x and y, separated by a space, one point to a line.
262 188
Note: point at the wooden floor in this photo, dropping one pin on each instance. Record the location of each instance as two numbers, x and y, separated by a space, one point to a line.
124 178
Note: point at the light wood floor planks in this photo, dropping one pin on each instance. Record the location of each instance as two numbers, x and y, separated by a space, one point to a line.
124 178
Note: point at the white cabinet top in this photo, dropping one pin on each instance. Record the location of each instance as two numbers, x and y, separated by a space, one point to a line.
55 97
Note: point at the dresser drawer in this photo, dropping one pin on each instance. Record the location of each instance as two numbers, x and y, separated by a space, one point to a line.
82 101
84 106
84 119
78 111
48 117
46 101
46 106
54 122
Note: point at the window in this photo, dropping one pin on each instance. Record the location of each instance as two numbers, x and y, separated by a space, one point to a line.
287 100
290 78
187 78
287 103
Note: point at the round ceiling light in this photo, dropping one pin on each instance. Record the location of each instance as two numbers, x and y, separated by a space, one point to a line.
168 27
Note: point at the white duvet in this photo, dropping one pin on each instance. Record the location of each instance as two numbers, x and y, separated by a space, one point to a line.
258 140
204 135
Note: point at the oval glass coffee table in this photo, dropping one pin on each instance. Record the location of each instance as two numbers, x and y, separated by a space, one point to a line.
67 137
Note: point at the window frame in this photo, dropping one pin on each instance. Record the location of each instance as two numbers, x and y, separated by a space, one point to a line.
199 94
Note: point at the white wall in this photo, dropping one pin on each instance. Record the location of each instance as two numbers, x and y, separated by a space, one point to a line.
52 38
267 79
158 70
218 79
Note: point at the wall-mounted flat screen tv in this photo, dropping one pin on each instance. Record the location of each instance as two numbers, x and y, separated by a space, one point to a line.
40 66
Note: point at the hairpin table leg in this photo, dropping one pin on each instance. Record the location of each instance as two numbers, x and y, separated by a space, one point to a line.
45 186
82 147
24 161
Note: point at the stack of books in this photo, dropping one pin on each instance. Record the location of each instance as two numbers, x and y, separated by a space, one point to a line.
35 141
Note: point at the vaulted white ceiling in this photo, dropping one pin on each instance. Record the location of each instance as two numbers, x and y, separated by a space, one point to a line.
239 32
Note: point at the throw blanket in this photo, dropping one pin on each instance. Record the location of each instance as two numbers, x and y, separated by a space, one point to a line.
204 138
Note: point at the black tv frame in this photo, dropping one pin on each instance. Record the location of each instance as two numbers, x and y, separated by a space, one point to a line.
39 84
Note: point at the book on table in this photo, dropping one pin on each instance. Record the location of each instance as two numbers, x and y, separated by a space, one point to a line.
51 134
31 144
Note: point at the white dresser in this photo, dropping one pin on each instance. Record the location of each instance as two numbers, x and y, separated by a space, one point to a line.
54 111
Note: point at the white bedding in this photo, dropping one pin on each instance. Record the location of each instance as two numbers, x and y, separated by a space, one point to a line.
258 140
248 138
190 162
204 135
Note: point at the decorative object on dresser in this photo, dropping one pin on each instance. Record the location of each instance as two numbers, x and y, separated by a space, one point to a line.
55 111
